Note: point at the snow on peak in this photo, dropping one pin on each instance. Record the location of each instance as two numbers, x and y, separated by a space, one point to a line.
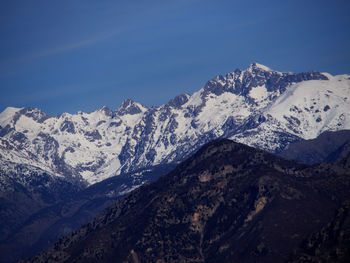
35 114
130 107
10 111
245 106
179 100
7 115
106 111
329 76
311 107
127 102
258 66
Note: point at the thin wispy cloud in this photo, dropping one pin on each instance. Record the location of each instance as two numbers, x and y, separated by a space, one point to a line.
49 94
138 11
7 66
71 46
142 46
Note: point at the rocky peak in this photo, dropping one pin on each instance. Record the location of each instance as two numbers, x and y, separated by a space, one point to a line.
240 82
7 116
11 115
216 86
179 100
107 111
129 107
256 67
34 113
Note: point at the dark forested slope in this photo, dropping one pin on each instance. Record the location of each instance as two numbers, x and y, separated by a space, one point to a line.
227 203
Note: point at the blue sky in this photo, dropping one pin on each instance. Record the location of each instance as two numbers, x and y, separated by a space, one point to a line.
66 56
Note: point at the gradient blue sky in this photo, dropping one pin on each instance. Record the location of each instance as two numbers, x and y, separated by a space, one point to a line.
66 56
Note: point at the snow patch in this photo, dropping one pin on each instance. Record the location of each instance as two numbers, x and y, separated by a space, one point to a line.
7 115
258 93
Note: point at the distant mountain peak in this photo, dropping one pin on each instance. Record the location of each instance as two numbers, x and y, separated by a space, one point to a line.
130 107
35 113
179 100
255 66
107 111
7 115
12 114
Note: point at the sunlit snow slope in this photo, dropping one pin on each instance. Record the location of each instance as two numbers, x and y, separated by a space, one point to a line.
257 106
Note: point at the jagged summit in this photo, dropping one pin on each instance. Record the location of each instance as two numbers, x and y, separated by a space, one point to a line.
13 114
130 107
179 100
255 79
256 66
7 115
107 111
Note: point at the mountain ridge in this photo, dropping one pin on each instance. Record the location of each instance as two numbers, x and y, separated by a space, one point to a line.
228 203
45 226
327 147
245 105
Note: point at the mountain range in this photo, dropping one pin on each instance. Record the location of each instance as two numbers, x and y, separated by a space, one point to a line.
57 173
258 106
327 147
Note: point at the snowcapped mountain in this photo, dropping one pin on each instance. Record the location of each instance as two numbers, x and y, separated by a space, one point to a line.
258 106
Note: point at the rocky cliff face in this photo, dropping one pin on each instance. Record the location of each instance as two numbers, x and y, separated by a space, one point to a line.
227 203
258 106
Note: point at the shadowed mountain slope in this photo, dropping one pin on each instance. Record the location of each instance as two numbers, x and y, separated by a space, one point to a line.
32 221
327 147
227 203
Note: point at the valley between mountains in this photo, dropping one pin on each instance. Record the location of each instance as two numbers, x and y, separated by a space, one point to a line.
58 173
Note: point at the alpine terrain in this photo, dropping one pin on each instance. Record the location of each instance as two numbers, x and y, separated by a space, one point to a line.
258 106
226 203
57 173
